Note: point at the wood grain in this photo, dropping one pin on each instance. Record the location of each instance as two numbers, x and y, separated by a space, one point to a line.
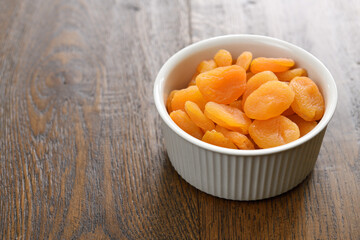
81 151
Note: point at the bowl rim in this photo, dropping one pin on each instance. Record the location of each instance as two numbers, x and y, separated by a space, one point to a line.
203 44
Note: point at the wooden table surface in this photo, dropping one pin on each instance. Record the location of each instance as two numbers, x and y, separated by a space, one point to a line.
81 151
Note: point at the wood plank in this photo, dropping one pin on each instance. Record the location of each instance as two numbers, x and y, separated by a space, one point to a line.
83 155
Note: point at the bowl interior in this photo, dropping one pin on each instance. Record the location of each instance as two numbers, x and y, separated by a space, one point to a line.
179 69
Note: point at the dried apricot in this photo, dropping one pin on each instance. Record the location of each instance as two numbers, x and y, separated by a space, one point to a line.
184 122
256 81
237 104
244 60
222 84
261 64
288 112
205 66
190 93
288 75
273 132
168 101
198 117
249 75
216 138
308 102
304 126
264 97
192 81
269 100
240 140
228 117
223 58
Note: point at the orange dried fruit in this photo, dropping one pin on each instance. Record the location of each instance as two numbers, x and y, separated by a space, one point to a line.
190 93
288 112
222 84
269 100
168 101
304 126
192 81
261 64
288 75
244 60
184 122
256 81
249 75
223 58
198 117
222 99
308 102
206 65
216 138
274 132
237 104
228 117
240 140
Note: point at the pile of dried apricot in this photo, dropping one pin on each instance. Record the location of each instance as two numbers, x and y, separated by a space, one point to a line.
247 103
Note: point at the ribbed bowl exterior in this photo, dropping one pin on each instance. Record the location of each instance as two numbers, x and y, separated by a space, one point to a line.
241 177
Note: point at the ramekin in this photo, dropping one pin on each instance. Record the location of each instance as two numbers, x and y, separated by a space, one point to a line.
241 174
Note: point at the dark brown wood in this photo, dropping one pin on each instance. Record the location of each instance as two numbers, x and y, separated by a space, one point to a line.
81 151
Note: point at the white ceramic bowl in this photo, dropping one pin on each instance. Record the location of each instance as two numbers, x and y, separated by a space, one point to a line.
241 174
